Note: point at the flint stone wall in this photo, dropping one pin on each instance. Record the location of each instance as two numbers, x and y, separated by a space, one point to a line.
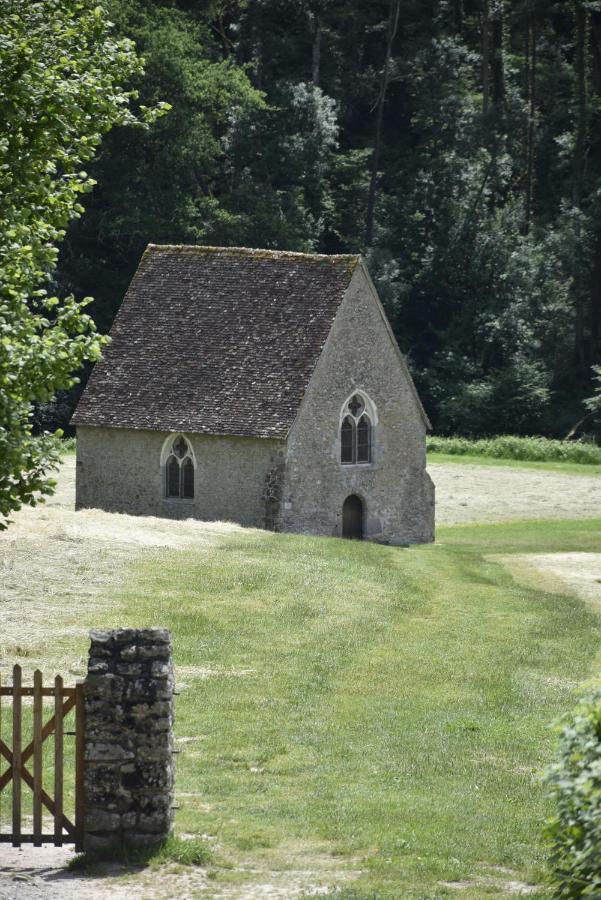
129 772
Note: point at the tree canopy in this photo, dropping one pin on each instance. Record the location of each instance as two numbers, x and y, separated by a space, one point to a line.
62 86
455 142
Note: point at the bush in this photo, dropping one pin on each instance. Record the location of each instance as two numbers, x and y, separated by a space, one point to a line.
536 449
575 786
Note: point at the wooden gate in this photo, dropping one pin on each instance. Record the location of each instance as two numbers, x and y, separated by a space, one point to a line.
63 701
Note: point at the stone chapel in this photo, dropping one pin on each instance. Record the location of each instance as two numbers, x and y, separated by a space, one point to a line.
260 387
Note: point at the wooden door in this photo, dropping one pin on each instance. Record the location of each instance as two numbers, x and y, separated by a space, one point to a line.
352 518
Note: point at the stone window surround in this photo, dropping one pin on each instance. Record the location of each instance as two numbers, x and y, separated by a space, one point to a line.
369 407
165 454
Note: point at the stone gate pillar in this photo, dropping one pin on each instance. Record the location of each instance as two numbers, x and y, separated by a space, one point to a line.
128 739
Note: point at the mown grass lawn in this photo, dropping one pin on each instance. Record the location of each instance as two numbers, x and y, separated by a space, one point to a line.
349 706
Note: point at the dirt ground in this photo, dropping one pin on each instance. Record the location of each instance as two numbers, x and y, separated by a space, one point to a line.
52 554
39 873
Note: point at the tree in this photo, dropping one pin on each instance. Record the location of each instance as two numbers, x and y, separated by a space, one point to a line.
462 138
165 184
393 24
61 88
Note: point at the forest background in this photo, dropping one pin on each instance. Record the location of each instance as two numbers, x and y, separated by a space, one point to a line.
454 142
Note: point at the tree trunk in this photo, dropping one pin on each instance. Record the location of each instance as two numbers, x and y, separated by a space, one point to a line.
531 125
594 316
393 24
595 295
458 15
485 39
596 49
581 131
573 432
497 29
581 104
316 53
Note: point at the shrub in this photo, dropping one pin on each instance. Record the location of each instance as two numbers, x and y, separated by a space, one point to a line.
68 445
575 786
536 449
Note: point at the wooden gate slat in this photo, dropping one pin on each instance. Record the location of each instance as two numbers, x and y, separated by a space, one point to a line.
58 761
37 758
28 692
65 699
46 800
16 764
27 753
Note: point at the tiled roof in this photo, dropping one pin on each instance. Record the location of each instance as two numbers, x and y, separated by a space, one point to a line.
216 340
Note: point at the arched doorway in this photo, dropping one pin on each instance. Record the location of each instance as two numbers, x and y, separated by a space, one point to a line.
352 518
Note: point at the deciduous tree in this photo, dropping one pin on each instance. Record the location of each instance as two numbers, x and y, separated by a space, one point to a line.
62 86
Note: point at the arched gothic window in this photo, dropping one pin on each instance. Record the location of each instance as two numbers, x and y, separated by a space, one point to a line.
355 432
179 470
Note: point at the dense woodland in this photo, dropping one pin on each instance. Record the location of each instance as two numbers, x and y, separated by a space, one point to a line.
455 142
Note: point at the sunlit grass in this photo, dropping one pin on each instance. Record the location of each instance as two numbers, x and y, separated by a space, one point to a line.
383 709
562 468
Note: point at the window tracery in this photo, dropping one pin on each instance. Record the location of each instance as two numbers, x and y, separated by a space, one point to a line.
356 432
179 470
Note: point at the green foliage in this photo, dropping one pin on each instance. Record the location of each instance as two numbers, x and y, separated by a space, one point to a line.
68 445
535 449
166 184
281 159
593 404
575 786
61 89
487 235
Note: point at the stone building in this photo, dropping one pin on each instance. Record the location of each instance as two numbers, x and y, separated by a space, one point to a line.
260 387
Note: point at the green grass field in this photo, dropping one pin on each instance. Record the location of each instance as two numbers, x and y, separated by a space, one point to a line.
562 468
349 707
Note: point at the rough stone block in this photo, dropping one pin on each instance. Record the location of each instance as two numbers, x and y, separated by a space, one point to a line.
104 686
161 669
154 636
97 666
105 752
154 822
154 651
130 669
124 635
102 821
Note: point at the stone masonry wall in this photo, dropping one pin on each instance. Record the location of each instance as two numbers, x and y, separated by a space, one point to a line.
119 470
128 739
395 488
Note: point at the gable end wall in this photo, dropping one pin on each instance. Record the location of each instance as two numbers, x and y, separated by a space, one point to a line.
397 492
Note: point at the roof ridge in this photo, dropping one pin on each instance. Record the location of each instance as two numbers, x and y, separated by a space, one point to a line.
254 251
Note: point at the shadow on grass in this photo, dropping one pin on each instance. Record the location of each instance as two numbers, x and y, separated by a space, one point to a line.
173 850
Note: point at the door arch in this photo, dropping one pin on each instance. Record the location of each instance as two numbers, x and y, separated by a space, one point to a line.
352 518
